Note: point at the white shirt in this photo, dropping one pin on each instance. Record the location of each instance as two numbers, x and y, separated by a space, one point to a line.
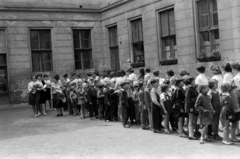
133 77
236 80
219 78
202 79
56 86
228 78
147 77
30 85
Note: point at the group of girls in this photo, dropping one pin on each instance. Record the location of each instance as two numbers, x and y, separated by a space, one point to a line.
182 104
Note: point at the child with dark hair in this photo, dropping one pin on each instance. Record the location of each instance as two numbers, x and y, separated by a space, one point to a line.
214 97
190 99
141 74
100 96
32 95
166 106
123 102
169 73
228 76
178 102
136 102
204 107
147 75
201 79
48 91
227 112
148 103
73 96
236 110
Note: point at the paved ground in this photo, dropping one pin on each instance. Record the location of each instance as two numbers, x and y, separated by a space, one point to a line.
25 137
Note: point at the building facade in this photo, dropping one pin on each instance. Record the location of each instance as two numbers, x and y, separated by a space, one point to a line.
81 36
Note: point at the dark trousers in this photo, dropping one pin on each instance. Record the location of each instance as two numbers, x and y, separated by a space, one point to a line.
93 109
113 111
107 111
124 112
70 107
144 118
131 109
101 109
173 121
157 117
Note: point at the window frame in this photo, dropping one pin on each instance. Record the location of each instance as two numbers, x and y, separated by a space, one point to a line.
211 28
161 38
134 43
41 51
82 49
113 48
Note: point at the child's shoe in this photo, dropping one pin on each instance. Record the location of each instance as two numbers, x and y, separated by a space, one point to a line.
202 141
227 142
217 137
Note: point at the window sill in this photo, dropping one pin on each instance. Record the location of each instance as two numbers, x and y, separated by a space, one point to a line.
209 59
169 62
135 65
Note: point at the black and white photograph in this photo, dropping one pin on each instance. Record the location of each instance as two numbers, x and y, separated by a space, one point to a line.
119 79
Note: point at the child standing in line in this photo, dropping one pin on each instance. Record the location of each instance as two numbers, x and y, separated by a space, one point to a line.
236 109
148 103
205 117
123 102
68 91
107 111
73 98
226 113
191 96
136 102
81 101
100 96
215 101
166 106
178 102
143 108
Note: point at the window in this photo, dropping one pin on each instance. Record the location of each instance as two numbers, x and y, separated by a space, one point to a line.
3 64
82 49
41 50
168 35
113 46
208 28
137 41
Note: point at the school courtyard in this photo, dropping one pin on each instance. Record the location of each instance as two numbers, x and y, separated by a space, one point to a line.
24 137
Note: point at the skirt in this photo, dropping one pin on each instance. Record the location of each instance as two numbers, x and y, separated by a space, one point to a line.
32 99
48 94
57 102
205 118
227 114
236 117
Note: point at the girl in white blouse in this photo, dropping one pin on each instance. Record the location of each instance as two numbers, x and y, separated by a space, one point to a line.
217 76
32 95
228 76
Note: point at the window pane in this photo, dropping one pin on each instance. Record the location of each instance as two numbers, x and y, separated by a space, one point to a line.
205 40
137 30
45 40
138 51
75 35
46 56
166 45
215 40
164 24
87 64
34 40
35 62
3 60
204 21
76 44
46 66
85 34
203 7
77 56
86 55
85 44
78 65
215 19
214 5
2 39
3 80
173 47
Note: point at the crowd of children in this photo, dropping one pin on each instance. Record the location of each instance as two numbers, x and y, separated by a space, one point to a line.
176 104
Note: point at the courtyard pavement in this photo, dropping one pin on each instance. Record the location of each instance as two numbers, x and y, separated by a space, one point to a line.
24 137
